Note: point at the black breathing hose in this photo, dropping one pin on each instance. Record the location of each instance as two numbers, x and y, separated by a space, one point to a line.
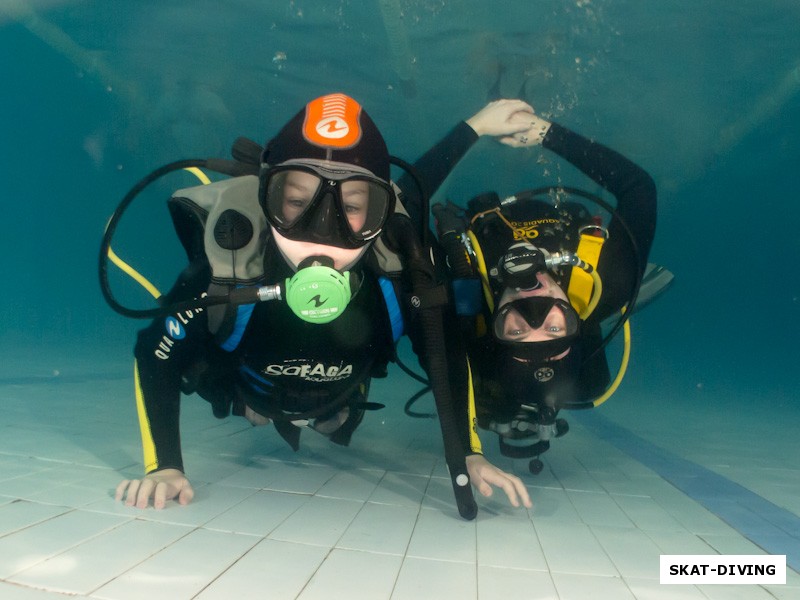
233 168
424 201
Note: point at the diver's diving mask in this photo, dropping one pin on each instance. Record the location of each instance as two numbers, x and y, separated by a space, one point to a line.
323 202
532 327
536 327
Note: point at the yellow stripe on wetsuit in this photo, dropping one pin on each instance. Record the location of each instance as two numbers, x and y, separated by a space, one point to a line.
149 447
474 440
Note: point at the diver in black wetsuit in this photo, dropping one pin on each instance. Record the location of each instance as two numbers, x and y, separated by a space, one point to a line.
531 316
323 199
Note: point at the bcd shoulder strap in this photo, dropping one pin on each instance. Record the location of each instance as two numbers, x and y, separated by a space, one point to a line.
234 228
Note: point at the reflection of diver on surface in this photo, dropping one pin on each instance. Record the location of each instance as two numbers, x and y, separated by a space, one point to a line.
538 280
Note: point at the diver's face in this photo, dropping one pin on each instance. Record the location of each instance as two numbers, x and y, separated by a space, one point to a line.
301 187
296 252
299 191
517 329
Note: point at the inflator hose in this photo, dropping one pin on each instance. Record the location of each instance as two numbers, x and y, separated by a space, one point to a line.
401 237
111 227
232 168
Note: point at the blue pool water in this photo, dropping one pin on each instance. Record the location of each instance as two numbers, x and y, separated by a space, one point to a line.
706 96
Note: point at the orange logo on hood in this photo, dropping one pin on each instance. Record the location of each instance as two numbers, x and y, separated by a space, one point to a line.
332 121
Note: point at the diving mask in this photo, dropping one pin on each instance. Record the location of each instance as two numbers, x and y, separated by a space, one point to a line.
323 202
536 327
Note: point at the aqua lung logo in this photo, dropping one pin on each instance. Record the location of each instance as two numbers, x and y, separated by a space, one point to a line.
317 302
317 372
332 121
333 128
543 374
175 326
175 329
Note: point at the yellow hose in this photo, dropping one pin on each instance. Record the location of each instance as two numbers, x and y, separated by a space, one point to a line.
133 273
597 291
199 174
487 290
623 367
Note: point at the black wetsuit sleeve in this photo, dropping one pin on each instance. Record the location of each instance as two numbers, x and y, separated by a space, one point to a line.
459 381
434 166
163 352
635 193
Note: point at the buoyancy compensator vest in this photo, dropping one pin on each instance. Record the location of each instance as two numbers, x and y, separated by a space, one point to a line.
222 222
560 228
219 223
556 223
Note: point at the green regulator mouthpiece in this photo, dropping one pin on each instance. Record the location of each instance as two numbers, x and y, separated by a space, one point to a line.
317 293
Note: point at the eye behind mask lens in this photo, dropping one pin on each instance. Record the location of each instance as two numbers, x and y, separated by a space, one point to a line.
517 319
304 205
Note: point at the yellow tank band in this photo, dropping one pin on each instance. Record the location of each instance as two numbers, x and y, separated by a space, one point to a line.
581 283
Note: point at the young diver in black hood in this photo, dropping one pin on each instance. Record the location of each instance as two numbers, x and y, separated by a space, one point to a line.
312 216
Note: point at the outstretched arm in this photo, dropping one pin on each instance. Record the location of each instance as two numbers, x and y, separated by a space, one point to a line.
162 352
500 119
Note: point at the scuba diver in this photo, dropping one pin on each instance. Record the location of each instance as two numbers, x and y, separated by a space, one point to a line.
537 279
315 210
